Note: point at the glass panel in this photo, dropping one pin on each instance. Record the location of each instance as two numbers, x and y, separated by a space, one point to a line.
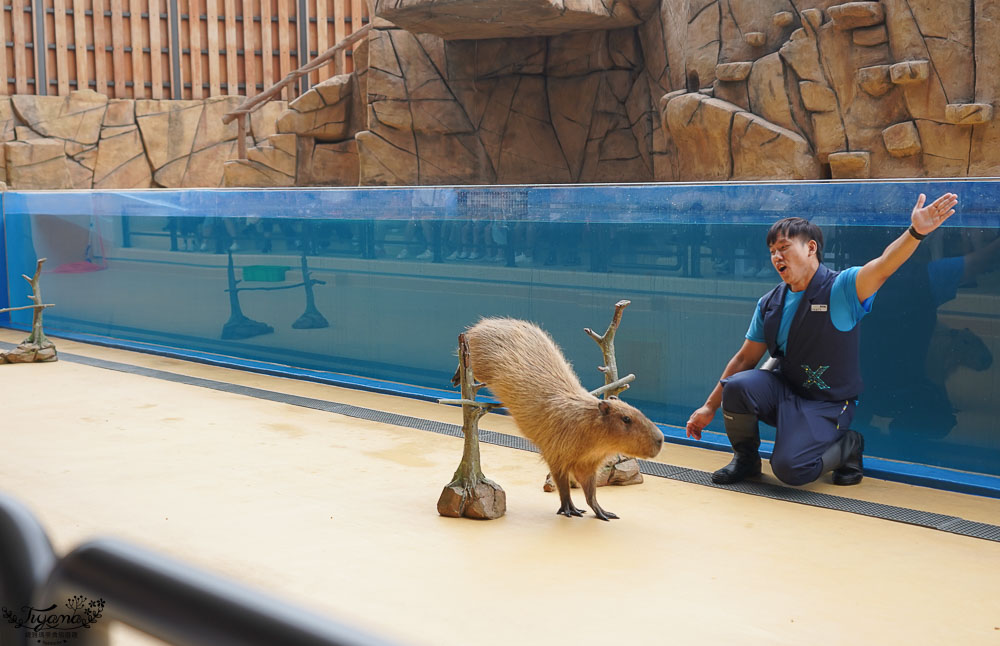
395 274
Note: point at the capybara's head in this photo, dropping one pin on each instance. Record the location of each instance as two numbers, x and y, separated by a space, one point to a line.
628 430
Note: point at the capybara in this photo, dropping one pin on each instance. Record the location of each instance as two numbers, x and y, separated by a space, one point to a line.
574 430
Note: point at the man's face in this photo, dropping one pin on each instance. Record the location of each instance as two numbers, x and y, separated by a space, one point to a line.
793 258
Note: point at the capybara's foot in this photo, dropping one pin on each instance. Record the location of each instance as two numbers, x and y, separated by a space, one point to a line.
588 481
569 510
566 506
605 515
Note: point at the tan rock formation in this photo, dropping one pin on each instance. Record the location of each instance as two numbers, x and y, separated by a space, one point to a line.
875 80
700 41
168 128
968 113
321 164
279 152
211 131
76 117
121 160
762 150
801 53
850 165
733 71
817 97
80 176
242 172
699 128
946 148
828 134
910 72
902 139
263 121
984 160
852 15
383 164
37 164
783 18
323 113
870 36
767 95
273 163
580 91
479 19
87 158
120 112
203 168
7 120
814 17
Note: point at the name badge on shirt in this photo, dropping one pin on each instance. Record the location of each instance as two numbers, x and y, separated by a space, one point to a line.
818 307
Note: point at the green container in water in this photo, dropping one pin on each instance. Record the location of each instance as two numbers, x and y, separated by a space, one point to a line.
265 273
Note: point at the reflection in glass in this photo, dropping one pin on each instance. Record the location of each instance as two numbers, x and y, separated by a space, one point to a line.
391 276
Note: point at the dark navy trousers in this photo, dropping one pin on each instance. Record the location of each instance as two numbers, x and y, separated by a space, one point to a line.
806 428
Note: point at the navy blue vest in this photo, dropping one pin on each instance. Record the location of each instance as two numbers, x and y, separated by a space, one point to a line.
820 362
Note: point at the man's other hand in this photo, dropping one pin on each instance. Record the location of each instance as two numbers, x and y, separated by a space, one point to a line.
698 421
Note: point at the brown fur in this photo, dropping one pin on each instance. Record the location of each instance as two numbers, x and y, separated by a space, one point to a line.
574 430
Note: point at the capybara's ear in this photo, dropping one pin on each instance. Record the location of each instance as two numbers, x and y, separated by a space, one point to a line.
604 407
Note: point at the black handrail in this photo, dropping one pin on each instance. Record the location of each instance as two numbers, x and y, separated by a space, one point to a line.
26 559
164 598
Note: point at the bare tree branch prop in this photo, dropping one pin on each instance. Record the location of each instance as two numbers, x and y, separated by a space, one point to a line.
24 307
36 347
607 343
617 386
470 493
37 336
617 469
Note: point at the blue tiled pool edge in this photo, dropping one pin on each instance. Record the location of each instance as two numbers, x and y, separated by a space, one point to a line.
904 472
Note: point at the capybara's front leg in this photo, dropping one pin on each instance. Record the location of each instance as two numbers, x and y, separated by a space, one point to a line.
589 485
566 508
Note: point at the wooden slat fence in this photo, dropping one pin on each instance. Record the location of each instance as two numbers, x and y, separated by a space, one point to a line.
169 49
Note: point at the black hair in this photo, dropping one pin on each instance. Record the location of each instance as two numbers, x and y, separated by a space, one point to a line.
796 228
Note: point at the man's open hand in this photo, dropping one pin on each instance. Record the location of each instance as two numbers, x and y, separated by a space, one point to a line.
927 218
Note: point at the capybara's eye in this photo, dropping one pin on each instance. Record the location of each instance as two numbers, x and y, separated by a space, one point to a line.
626 419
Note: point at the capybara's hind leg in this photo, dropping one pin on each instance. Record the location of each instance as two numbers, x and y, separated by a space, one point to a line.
589 485
566 508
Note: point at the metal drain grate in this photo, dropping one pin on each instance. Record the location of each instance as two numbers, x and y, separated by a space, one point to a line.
941 522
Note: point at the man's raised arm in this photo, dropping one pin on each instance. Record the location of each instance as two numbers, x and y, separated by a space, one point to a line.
923 220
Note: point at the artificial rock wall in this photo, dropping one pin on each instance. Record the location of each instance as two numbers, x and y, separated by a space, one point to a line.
515 91
85 140
560 91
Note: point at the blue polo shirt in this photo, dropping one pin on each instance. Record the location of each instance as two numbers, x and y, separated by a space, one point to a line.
845 308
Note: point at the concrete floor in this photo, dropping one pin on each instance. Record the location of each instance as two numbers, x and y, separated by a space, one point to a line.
338 515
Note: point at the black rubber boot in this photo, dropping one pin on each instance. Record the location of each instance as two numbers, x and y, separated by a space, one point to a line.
745 438
844 458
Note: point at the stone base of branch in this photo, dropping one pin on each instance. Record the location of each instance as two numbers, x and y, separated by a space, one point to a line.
244 328
311 321
616 470
30 353
482 500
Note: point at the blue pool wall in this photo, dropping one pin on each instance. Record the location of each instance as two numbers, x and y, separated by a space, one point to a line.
126 267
